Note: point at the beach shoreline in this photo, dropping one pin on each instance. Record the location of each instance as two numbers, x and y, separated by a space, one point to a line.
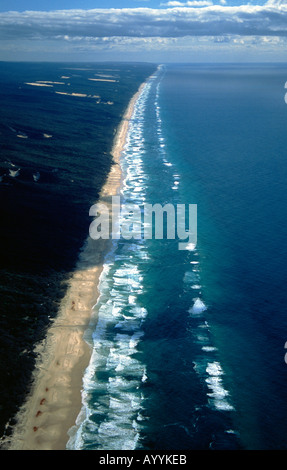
54 402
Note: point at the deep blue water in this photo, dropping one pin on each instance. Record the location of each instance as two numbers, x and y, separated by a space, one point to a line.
189 344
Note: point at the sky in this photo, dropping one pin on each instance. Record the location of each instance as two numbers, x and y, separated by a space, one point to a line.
157 31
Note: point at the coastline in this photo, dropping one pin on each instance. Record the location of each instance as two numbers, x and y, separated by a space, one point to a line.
54 401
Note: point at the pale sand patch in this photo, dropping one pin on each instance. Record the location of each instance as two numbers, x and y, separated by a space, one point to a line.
81 95
38 84
102 75
22 136
49 81
102 80
54 401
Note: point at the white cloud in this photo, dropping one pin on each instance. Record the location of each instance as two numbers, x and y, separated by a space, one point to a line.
275 2
194 3
214 20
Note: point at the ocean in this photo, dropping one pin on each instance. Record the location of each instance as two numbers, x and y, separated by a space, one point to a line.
188 345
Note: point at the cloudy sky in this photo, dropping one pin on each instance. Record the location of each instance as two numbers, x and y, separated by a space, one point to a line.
144 30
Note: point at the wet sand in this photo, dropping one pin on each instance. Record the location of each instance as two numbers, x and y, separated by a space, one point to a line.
54 402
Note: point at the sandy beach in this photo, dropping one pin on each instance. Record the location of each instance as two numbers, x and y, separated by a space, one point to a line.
54 402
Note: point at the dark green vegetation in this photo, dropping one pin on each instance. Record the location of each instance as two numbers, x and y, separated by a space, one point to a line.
45 205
